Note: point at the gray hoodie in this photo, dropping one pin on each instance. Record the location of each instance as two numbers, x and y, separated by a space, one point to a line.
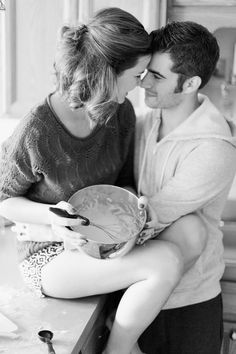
189 170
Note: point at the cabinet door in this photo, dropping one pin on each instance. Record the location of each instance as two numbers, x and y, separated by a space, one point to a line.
229 339
212 14
97 337
28 40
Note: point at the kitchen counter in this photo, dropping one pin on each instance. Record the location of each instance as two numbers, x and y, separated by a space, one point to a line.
78 325
71 321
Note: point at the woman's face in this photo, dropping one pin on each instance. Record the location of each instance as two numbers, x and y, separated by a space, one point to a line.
131 78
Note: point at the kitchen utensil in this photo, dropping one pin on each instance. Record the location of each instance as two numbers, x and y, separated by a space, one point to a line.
115 209
63 213
46 336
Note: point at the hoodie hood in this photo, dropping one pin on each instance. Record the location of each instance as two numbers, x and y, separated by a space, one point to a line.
205 122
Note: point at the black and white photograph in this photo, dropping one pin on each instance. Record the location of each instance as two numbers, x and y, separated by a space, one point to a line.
118 176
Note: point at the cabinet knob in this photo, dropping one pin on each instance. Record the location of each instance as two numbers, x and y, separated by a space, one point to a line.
233 335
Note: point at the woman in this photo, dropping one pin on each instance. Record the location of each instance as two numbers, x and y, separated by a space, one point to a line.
81 135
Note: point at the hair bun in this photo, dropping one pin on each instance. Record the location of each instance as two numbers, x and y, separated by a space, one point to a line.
83 29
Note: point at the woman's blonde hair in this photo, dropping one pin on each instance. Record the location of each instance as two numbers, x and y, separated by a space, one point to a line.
90 57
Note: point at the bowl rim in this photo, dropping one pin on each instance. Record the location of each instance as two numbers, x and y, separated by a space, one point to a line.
118 188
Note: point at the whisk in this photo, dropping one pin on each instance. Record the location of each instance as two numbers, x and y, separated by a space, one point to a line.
86 222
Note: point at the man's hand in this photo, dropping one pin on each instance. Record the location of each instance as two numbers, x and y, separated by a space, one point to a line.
149 229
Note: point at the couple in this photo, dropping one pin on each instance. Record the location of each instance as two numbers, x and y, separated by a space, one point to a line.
185 158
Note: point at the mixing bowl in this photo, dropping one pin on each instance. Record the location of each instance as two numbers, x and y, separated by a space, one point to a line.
115 220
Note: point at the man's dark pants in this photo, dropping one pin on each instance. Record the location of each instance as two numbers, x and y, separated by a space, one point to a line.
194 329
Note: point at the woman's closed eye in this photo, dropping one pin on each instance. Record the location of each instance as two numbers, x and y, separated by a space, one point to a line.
141 75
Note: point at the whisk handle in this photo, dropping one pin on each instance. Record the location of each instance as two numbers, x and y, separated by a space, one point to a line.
64 214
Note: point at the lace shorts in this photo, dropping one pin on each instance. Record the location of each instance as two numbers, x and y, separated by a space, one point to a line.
31 267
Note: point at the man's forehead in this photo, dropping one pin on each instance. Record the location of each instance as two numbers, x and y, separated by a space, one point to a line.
160 61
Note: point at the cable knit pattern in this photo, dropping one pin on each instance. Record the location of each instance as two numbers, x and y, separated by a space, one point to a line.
44 162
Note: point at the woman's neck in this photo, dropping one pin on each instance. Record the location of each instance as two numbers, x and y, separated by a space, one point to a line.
76 121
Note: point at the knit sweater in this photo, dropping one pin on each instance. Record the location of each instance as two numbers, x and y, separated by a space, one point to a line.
190 170
45 163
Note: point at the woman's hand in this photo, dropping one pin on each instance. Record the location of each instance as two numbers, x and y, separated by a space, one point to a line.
72 239
59 229
62 227
149 229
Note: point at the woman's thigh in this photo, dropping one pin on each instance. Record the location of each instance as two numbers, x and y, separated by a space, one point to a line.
189 234
73 274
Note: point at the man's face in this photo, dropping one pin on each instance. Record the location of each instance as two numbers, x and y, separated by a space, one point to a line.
160 83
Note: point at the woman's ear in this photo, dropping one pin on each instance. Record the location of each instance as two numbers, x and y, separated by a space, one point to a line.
192 84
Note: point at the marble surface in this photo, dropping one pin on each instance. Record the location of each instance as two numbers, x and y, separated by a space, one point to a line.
69 320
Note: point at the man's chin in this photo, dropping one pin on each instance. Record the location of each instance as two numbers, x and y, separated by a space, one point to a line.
150 102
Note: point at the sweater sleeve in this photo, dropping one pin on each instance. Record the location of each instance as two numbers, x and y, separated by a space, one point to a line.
127 125
203 176
126 175
18 170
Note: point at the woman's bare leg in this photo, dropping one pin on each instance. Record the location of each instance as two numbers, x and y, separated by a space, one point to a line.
149 273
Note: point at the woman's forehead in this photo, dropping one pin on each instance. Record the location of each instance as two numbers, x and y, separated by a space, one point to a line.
141 65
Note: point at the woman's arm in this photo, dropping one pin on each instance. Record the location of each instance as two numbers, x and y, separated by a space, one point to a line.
23 210
35 222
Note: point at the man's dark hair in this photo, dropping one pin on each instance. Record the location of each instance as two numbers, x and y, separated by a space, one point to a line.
192 48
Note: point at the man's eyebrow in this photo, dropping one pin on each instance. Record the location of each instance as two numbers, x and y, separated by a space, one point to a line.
156 73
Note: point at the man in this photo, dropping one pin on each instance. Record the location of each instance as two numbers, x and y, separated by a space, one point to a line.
185 163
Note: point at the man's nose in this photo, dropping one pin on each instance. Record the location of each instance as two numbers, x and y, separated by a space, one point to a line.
146 81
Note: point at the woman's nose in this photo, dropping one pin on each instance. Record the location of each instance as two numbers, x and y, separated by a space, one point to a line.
138 81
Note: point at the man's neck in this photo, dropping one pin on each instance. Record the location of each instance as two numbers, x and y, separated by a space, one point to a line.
172 117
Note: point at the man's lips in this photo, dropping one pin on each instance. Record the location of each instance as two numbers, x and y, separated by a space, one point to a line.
149 93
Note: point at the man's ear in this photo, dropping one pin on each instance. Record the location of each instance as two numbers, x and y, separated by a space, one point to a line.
192 84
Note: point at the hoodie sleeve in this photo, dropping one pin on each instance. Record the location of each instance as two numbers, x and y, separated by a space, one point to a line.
202 178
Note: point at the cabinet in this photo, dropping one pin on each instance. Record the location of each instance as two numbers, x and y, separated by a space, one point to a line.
99 332
97 338
229 339
229 316
213 14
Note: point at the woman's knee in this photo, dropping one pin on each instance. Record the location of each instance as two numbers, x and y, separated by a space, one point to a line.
166 259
